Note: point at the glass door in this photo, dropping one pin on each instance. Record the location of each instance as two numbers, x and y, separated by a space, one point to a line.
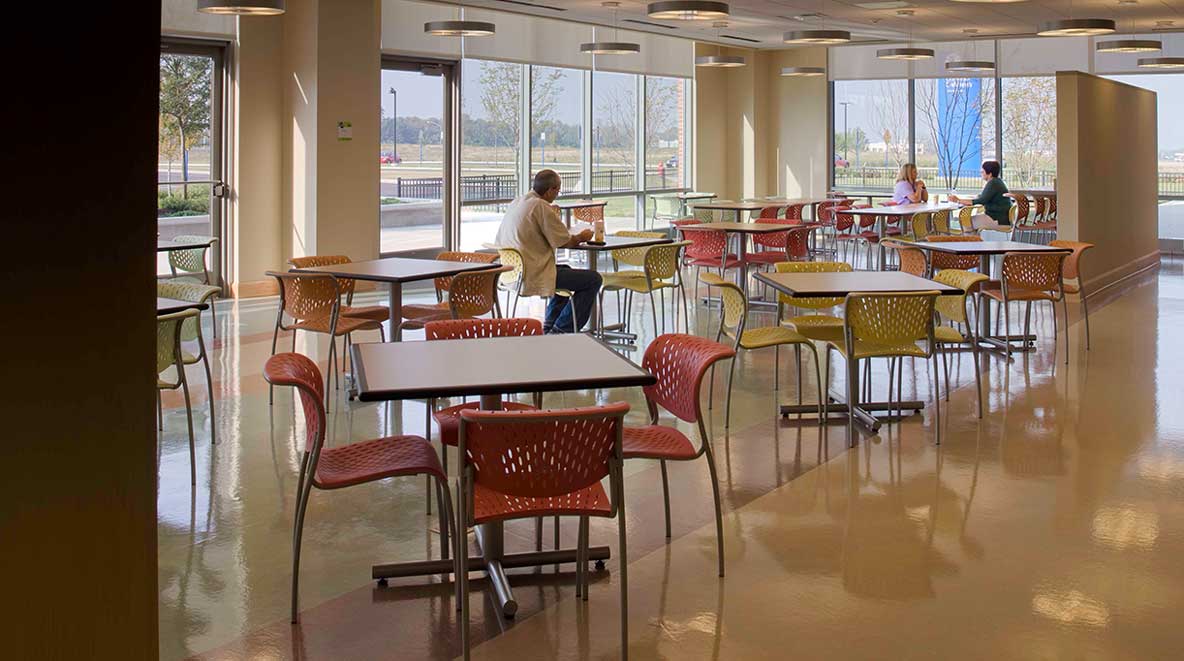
415 158
189 187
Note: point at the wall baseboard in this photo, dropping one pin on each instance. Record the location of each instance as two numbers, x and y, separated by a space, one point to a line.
254 288
1103 281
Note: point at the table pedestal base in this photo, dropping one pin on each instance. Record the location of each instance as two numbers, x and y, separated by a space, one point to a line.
863 413
999 343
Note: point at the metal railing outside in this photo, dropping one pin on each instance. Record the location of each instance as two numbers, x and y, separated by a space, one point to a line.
490 187
1171 184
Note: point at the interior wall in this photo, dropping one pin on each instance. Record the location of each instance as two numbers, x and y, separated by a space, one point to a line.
1107 166
797 137
711 135
78 520
299 202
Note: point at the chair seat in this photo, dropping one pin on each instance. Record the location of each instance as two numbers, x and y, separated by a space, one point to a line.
1020 295
656 442
371 312
817 326
865 349
490 505
426 311
449 419
374 460
767 257
731 262
344 325
768 336
948 335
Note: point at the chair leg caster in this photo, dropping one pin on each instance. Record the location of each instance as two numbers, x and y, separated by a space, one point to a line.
600 565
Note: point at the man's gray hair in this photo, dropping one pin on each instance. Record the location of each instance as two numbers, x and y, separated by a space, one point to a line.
545 180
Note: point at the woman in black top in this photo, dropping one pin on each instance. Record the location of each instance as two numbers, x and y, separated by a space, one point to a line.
993 199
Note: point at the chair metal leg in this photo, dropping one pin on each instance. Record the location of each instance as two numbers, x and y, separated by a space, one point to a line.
797 357
159 412
719 519
852 371
214 317
1085 313
462 559
1007 327
584 553
297 535
777 367
665 496
1065 310
445 524
728 403
945 363
623 567
189 420
936 398
818 379
205 361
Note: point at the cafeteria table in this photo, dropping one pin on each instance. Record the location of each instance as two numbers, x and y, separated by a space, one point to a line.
838 285
163 245
615 332
490 368
985 250
171 305
395 271
899 211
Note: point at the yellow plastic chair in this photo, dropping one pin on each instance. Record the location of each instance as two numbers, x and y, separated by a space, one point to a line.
814 326
510 281
660 271
191 332
941 222
965 215
887 326
953 309
732 324
169 356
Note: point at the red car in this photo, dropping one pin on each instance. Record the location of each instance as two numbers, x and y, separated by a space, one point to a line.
842 163
387 159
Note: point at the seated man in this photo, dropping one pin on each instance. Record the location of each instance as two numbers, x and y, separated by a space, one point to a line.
533 226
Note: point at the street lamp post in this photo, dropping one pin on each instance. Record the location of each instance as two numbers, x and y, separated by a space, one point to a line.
846 133
395 125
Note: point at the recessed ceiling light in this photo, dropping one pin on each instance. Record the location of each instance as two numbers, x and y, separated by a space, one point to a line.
241 7
723 61
791 72
459 28
817 37
905 53
1077 27
970 65
687 10
1129 46
1161 62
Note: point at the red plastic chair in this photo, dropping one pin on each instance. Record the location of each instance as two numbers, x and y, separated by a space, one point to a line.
795 212
679 362
520 464
708 249
348 465
790 246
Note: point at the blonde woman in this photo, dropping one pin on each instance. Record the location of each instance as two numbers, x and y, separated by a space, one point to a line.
909 189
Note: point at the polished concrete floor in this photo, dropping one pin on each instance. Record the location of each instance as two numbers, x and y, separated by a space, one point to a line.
1050 529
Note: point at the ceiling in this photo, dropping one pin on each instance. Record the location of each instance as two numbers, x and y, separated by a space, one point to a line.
757 24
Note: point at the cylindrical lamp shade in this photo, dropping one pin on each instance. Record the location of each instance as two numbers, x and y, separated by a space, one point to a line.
791 72
687 10
1161 62
970 65
719 61
610 48
1077 27
1129 46
816 37
904 53
459 28
241 7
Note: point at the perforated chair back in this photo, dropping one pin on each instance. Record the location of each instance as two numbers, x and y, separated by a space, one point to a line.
954 307
1023 207
735 303
313 261
512 258
471 329
474 293
773 239
890 319
1033 271
794 212
662 260
912 260
679 363
966 215
634 256
1072 268
186 291
666 207
541 454
704 244
298 371
443 284
919 224
769 212
308 295
816 302
168 339
703 215
588 214
192 260
945 260
941 221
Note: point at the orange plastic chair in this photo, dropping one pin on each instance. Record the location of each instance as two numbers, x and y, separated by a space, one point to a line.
945 260
588 214
444 283
348 465
1031 277
1072 271
521 464
371 312
313 301
912 260
679 362
470 294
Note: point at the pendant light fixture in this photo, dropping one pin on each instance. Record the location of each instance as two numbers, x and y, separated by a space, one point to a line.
1164 62
459 27
719 59
909 52
971 64
610 47
687 10
1129 45
1077 27
794 72
241 7
817 36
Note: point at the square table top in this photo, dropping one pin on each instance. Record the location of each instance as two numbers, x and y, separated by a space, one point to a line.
692 195
839 284
903 209
171 305
490 366
984 247
579 204
729 205
397 269
619 242
164 245
791 201
743 228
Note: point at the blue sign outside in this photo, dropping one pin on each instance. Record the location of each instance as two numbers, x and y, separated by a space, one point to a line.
960 124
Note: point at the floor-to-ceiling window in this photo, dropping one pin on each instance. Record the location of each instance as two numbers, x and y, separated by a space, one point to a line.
557 124
490 153
614 132
1030 131
1169 90
871 132
955 119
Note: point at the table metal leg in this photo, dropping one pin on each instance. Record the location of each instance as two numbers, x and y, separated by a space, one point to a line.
396 310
